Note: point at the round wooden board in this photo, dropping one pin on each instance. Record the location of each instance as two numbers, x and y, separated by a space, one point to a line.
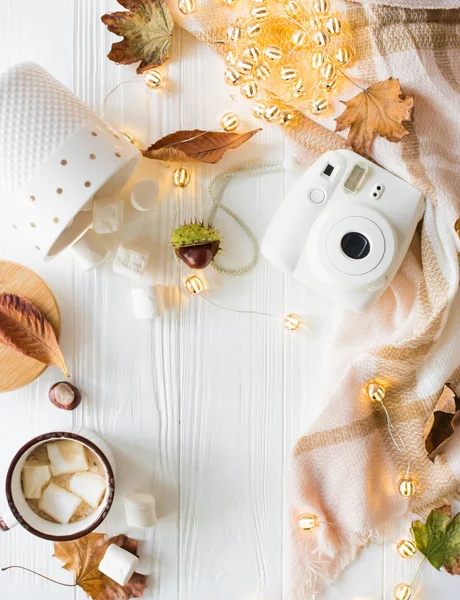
17 370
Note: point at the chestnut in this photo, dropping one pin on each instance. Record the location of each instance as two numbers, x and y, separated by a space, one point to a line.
65 395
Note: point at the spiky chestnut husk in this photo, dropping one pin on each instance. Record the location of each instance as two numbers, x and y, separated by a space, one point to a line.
196 244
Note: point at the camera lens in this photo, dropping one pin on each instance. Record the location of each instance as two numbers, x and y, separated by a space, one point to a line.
355 245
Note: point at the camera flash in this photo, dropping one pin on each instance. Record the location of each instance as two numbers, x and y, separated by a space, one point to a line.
355 178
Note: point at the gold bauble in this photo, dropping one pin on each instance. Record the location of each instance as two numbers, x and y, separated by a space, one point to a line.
258 109
232 76
406 549
307 522
245 66
321 38
328 85
317 59
334 25
273 53
252 52
254 30
250 88
288 73
299 38
406 487
234 33
286 118
321 7
376 391
194 285
328 71
180 178
186 6
402 592
343 56
129 136
318 105
298 89
153 79
263 71
272 113
293 322
230 58
230 121
260 13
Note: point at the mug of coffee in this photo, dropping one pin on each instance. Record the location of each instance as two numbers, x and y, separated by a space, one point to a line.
60 485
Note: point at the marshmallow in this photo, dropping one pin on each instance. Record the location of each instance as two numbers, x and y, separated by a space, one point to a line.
131 261
89 251
107 214
144 195
140 510
35 475
88 486
148 302
118 564
67 457
58 503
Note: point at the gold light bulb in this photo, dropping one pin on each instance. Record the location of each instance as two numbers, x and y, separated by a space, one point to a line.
318 105
272 113
402 592
376 391
252 52
286 118
234 33
263 71
406 487
230 121
343 56
232 77
406 549
334 26
273 53
250 88
292 322
194 285
258 109
307 522
180 178
186 6
153 79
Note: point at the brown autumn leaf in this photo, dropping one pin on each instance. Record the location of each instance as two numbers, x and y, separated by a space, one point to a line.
25 328
442 422
83 556
379 110
146 28
196 145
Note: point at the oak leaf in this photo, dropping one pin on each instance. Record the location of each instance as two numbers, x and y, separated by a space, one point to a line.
379 110
24 328
83 556
146 28
439 539
441 425
196 145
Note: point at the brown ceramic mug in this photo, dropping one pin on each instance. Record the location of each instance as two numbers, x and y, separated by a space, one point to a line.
20 512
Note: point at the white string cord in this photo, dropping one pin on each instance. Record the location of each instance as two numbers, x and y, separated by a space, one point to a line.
216 191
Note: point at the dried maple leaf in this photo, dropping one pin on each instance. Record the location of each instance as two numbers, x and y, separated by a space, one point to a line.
146 28
441 425
82 557
378 110
196 145
24 328
439 539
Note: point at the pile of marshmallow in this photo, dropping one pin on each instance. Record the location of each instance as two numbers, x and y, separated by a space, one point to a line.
119 564
130 261
61 504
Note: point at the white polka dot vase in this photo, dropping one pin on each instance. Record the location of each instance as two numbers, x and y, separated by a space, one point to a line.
55 155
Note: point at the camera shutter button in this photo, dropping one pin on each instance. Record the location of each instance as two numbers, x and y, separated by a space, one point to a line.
317 196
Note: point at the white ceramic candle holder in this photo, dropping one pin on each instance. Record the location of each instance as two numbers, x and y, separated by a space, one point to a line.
55 154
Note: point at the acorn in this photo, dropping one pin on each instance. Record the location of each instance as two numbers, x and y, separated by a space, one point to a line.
196 244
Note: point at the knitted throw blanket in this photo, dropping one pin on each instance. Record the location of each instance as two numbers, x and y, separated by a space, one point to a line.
346 467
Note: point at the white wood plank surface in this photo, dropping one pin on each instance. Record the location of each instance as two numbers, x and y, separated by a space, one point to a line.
204 406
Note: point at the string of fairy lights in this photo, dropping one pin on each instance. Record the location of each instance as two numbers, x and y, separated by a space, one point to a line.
301 70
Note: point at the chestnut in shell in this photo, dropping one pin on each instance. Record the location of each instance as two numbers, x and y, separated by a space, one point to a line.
64 395
196 244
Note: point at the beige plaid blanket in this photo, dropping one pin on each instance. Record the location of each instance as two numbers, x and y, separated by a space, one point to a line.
347 468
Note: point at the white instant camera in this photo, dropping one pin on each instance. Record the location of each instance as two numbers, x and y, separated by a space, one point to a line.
344 228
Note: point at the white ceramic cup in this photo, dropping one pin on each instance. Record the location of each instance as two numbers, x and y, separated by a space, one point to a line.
20 512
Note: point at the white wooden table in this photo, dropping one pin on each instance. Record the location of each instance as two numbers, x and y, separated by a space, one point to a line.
202 407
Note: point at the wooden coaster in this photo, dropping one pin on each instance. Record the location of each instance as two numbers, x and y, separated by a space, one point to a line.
17 370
